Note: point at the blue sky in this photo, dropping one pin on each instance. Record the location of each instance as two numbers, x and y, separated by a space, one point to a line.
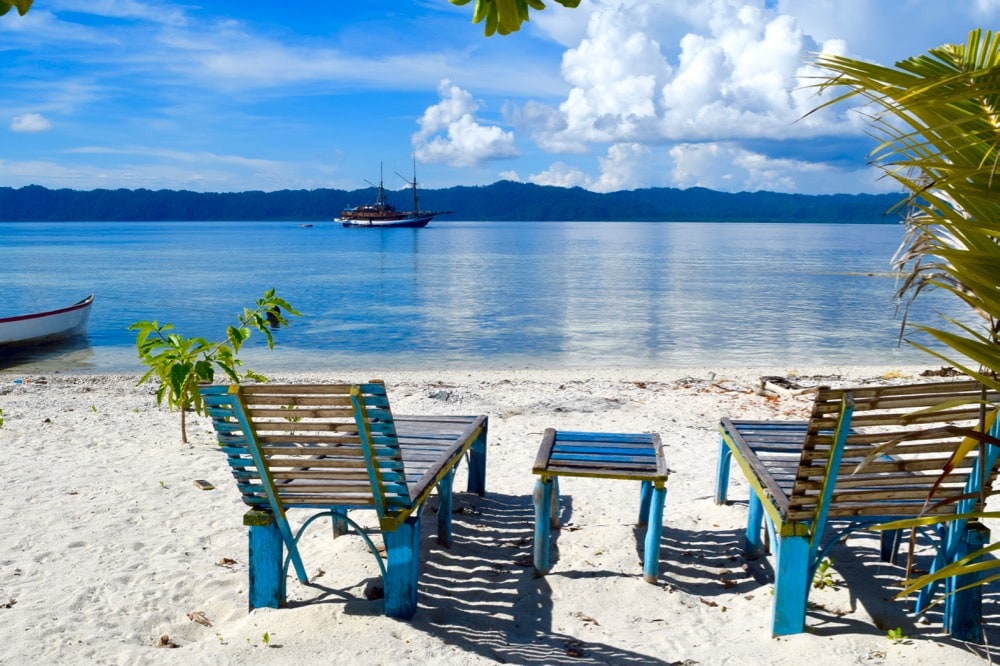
614 95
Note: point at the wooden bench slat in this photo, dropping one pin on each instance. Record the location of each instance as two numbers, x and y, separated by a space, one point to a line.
337 446
897 446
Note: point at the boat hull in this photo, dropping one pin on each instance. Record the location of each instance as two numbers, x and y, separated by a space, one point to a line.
406 222
45 327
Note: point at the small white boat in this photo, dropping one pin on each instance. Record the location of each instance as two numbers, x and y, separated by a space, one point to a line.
42 327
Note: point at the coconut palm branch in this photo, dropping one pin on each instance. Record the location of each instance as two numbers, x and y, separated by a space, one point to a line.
937 121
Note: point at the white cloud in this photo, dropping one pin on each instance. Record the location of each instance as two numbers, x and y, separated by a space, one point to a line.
30 122
730 168
156 168
561 174
694 73
616 73
450 133
623 165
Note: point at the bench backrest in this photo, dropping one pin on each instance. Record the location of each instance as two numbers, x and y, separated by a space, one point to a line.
310 445
894 454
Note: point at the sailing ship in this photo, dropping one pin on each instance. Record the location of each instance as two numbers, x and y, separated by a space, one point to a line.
382 214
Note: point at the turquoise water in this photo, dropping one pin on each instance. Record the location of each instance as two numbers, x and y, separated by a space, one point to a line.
491 294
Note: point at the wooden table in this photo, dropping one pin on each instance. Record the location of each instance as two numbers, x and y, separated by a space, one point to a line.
602 455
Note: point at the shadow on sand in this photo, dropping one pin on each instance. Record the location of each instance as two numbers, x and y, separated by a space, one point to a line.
481 596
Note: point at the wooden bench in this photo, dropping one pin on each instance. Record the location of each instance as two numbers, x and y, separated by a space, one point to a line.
331 448
600 455
866 456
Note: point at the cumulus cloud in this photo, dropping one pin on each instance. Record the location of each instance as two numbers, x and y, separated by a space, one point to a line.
30 122
560 174
738 71
450 133
623 165
731 168
616 72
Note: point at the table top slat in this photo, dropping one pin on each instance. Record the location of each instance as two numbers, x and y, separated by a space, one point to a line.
636 456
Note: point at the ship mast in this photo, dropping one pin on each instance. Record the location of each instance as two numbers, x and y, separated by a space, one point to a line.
380 197
413 184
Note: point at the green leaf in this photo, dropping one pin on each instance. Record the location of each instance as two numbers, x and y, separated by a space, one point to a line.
22 6
936 118
180 363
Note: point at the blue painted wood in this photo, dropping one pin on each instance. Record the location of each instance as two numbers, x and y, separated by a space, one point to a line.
722 472
625 437
267 589
791 585
778 492
753 544
654 528
645 499
436 445
339 526
477 466
445 509
228 399
554 519
890 541
402 547
543 498
963 610
631 456
829 481
954 533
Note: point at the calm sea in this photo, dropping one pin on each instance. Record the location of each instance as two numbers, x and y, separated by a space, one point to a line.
488 294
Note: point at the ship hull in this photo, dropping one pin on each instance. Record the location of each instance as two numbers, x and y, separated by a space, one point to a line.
412 222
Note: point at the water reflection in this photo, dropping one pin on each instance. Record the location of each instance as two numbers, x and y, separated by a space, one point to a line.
485 293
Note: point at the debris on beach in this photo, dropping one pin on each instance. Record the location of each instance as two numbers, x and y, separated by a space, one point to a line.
946 371
200 618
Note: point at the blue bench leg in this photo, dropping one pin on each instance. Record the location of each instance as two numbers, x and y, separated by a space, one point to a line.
791 585
722 472
266 587
544 497
950 542
477 465
339 526
890 541
752 545
445 508
963 609
651 552
402 549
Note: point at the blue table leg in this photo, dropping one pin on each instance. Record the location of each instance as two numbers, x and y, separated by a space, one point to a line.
645 497
542 498
651 552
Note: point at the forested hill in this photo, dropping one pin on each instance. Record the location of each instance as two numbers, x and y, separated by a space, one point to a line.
504 200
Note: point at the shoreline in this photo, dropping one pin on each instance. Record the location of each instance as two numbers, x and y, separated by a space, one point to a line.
112 546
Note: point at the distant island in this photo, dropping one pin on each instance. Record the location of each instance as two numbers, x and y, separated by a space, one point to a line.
501 201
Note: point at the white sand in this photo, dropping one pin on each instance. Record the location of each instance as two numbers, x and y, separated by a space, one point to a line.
109 545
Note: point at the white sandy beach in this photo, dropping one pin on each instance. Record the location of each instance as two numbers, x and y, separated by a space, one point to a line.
109 544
